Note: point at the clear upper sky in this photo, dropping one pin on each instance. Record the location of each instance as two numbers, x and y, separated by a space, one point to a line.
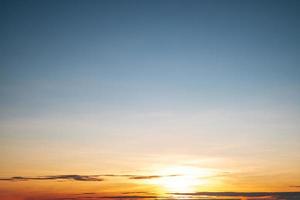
200 79
58 56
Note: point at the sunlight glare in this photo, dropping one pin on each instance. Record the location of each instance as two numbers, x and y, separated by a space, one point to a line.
180 179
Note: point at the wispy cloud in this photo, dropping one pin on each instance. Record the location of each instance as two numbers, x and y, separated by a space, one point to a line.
131 176
86 193
184 196
117 175
138 193
82 177
55 177
128 197
287 195
152 177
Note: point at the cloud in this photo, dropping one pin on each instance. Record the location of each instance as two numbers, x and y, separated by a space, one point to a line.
129 197
55 177
117 175
100 197
295 186
138 193
194 196
131 176
144 177
231 194
280 195
152 177
86 193
82 177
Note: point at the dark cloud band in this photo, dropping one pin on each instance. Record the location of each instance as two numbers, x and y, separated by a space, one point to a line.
55 177
75 177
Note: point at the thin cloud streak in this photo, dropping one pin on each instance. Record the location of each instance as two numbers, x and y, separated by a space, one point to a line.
55 177
152 177
138 193
75 177
198 196
289 195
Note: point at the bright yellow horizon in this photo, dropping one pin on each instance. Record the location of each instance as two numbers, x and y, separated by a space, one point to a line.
156 180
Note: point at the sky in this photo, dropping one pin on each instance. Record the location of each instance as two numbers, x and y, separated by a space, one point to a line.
164 96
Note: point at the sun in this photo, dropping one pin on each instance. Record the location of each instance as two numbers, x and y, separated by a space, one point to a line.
181 179
183 183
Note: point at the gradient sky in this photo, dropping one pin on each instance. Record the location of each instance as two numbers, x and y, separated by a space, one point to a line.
95 87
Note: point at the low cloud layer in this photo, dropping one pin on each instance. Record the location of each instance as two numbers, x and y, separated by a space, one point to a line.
152 177
276 195
148 193
55 177
191 196
82 177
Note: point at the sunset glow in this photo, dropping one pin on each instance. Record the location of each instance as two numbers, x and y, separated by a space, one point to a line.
182 179
150 100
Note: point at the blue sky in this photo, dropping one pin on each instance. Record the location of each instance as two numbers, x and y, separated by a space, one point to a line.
147 54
